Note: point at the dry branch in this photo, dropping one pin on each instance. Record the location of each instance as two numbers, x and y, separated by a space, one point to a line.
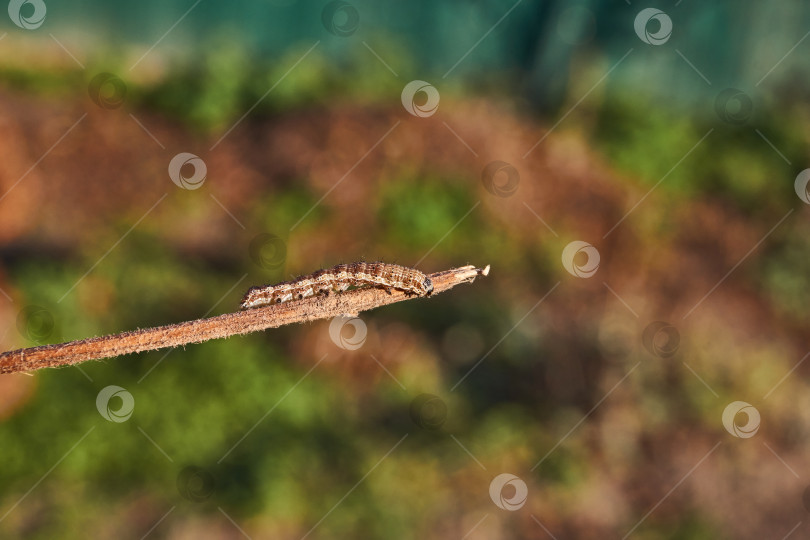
230 324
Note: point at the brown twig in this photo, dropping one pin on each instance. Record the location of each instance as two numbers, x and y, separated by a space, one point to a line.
230 324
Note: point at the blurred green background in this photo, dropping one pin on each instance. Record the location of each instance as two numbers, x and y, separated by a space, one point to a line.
674 155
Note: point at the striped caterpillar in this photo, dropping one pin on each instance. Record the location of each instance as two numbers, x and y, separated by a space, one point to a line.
340 278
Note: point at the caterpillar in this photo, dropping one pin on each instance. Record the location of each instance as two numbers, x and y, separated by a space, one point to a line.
340 278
